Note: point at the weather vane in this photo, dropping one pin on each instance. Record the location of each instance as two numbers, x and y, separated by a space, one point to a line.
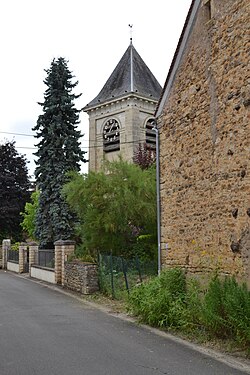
131 31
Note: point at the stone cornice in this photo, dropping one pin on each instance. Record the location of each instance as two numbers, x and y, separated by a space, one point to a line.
123 98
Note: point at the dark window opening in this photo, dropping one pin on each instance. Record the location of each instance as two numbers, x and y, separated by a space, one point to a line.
150 134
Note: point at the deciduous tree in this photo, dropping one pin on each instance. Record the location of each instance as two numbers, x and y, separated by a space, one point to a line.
144 156
114 206
29 215
14 190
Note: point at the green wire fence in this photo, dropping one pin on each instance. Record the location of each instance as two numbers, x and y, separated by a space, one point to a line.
118 275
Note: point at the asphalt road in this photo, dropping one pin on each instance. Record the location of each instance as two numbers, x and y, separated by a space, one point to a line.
43 331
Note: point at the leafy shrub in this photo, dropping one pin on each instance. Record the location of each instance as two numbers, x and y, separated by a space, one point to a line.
15 246
84 255
145 248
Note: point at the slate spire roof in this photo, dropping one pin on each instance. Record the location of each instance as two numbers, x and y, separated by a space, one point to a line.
131 75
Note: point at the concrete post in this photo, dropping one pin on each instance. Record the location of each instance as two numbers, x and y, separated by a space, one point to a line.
33 255
22 256
6 245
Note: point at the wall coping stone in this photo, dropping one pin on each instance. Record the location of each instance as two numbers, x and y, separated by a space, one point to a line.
80 262
64 242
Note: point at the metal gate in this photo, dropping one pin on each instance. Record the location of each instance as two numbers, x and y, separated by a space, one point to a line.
26 261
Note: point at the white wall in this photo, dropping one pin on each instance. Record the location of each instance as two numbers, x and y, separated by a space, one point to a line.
13 266
42 274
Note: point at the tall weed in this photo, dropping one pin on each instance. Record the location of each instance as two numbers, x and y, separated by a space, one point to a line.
194 299
226 310
213 313
168 300
161 301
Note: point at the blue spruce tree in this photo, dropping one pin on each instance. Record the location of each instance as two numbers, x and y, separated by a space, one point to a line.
58 153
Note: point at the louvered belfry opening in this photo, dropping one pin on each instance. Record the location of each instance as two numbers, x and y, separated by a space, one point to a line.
111 136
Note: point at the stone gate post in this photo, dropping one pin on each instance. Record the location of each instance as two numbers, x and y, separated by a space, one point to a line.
58 261
67 249
62 250
33 255
22 256
6 245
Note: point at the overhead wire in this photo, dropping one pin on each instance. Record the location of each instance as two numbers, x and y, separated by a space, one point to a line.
83 147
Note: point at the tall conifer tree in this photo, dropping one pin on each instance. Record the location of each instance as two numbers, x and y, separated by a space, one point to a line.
58 152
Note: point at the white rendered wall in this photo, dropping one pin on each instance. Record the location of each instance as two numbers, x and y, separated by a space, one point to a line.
14 267
42 274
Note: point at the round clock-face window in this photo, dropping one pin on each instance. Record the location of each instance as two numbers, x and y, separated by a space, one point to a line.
111 136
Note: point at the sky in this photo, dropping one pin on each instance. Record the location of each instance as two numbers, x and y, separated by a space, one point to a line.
92 36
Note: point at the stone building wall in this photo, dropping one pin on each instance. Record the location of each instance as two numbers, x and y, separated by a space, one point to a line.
205 146
81 277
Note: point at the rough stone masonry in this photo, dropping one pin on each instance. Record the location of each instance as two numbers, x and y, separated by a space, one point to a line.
205 146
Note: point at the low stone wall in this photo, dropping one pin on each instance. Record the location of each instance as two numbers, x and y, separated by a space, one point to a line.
45 274
81 277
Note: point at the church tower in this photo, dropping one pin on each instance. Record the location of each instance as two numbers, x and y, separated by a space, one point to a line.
121 115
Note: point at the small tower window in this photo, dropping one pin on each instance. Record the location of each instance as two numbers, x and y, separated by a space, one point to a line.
111 136
150 134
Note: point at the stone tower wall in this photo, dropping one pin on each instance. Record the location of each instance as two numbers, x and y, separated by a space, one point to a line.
205 147
131 113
